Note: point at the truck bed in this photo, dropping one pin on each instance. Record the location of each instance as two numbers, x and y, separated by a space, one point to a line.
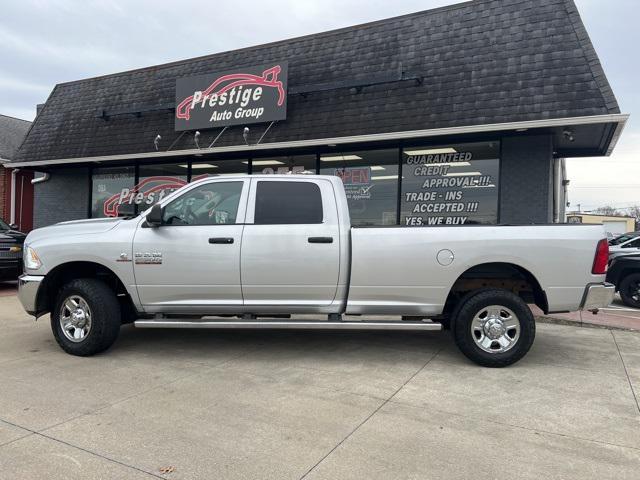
412 269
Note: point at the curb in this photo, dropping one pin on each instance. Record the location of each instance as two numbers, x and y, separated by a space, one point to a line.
573 323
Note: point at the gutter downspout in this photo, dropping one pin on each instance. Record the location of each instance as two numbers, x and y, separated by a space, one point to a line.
14 172
557 189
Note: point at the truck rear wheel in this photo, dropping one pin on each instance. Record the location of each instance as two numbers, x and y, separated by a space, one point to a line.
86 317
493 328
630 290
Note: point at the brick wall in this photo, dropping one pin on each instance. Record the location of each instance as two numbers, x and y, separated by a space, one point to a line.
65 196
526 179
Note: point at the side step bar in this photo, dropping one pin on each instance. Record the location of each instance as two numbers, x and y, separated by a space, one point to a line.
291 324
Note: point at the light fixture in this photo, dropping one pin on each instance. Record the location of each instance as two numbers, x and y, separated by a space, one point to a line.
339 158
568 134
376 168
196 138
245 135
463 174
196 166
430 151
156 141
264 162
385 177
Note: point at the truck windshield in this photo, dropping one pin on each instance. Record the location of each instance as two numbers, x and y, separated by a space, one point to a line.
3 226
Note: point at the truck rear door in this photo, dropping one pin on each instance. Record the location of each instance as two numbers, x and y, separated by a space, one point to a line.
290 244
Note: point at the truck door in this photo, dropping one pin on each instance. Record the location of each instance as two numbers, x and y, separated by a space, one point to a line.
192 261
291 243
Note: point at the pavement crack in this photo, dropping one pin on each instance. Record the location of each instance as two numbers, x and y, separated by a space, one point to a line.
113 460
15 439
57 440
386 401
626 372
512 425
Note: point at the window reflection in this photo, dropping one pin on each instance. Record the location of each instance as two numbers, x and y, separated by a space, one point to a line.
450 184
370 181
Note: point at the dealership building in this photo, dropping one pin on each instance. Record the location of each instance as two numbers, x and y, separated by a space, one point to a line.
458 115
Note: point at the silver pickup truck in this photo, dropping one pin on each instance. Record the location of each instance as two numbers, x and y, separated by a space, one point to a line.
251 251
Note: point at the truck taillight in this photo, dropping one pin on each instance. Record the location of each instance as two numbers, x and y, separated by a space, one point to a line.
601 258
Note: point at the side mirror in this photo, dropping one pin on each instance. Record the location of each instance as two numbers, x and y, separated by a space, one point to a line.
13 226
154 217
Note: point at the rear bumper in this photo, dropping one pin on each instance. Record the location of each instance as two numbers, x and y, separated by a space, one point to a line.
597 295
28 287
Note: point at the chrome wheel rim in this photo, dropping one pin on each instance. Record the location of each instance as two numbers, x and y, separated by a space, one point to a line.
495 329
75 318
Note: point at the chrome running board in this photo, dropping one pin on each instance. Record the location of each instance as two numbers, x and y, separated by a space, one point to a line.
286 324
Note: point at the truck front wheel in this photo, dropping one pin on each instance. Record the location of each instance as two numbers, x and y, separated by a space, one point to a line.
493 328
86 318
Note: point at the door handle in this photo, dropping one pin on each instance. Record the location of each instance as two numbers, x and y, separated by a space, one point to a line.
223 240
320 239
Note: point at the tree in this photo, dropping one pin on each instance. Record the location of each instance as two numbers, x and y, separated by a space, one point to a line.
606 210
634 212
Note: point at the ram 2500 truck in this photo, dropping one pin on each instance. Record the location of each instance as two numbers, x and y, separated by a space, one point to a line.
250 251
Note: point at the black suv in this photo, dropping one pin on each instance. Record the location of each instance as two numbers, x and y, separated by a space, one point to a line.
11 242
624 273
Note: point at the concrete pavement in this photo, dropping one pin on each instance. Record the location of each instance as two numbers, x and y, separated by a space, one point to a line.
617 316
316 405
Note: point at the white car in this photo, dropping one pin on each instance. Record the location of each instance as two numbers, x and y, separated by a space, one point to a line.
625 244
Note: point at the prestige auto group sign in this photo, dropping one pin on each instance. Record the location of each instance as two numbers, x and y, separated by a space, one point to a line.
235 97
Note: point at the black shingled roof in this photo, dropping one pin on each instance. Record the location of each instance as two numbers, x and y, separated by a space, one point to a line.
12 133
481 62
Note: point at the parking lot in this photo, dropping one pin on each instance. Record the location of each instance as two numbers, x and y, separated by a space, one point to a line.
293 405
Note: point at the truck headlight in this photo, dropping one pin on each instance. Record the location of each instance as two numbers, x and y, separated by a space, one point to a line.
31 259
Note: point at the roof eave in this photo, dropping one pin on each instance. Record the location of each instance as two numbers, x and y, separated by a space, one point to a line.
618 119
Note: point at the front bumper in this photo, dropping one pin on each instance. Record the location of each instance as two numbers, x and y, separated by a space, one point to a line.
28 286
597 295
11 272
10 269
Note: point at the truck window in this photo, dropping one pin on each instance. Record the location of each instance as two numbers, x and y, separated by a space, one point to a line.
287 203
209 204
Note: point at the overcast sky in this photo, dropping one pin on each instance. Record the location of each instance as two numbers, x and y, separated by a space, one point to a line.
44 42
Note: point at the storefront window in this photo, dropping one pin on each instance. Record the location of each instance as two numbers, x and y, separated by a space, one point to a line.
204 169
156 182
110 186
371 183
284 165
450 185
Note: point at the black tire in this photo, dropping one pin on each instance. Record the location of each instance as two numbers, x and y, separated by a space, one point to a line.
104 310
630 288
472 305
